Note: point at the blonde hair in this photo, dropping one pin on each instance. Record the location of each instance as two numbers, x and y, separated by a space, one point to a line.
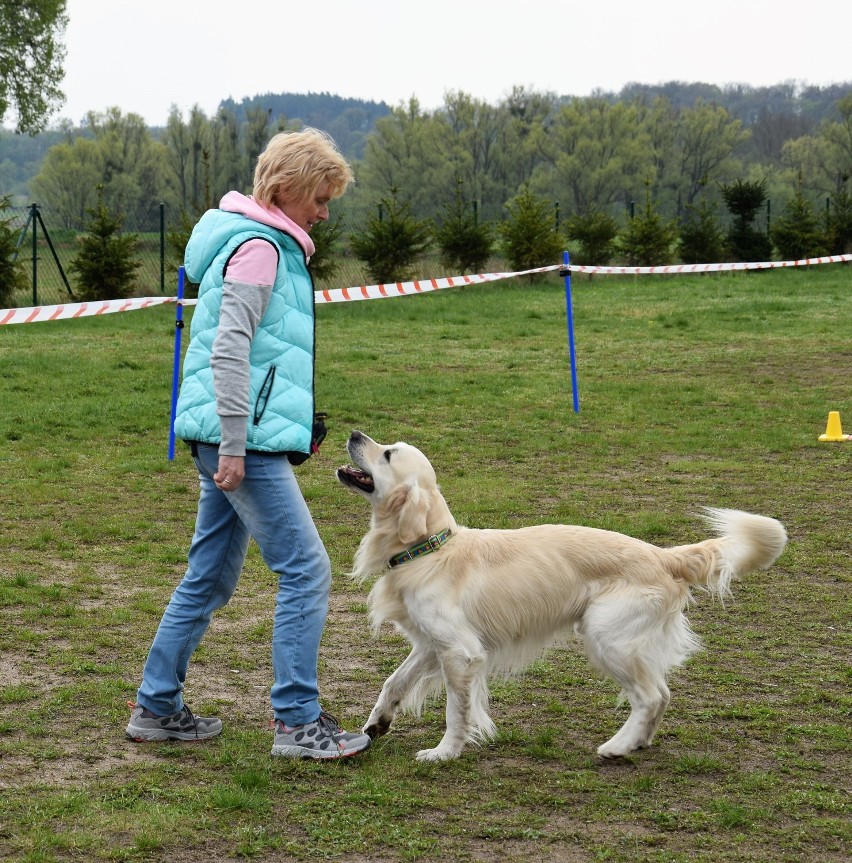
295 164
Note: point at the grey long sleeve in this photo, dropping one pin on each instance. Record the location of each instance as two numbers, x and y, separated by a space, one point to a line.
243 306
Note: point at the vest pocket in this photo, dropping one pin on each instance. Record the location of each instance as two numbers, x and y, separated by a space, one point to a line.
263 395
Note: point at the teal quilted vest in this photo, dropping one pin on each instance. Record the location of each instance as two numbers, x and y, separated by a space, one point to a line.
281 395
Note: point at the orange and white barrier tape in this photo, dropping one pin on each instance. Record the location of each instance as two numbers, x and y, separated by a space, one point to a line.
36 314
403 289
708 268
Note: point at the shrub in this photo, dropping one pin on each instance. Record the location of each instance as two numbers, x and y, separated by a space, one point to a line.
528 237
797 233
392 241
464 242
702 240
325 261
648 239
596 233
13 277
743 199
178 237
105 263
839 219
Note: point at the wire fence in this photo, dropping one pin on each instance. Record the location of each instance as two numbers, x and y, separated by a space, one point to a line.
46 251
48 244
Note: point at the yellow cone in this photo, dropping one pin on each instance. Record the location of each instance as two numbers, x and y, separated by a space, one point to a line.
833 429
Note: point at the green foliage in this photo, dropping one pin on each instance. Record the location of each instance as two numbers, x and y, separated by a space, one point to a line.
748 244
106 262
647 241
593 151
797 234
464 242
596 233
348 121
13 277
702 240
392 241
178 236
117 153
706 137
176 240
31 57
589 154
528 237
328 242
839 219
744 198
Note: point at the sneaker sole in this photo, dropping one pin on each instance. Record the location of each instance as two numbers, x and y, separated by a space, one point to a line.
302 752
157 735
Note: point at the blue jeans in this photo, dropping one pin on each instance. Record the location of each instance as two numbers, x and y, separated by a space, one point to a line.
268 506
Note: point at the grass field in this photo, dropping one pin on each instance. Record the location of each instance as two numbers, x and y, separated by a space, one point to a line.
694 390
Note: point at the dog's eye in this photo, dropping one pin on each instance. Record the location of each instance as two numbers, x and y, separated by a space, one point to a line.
388 454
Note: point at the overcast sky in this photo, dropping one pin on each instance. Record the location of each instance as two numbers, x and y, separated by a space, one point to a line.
144 57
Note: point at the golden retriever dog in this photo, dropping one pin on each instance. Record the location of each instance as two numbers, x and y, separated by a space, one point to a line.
480 602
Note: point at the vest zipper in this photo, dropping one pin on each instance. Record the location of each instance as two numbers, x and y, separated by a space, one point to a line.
263 395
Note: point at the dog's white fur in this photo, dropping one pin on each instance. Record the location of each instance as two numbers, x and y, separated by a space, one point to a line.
490 601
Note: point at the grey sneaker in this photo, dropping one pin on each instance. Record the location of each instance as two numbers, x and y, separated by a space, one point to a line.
322 738
145 726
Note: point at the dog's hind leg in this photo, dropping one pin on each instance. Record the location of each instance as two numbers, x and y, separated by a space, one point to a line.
647 707
417 670
637 655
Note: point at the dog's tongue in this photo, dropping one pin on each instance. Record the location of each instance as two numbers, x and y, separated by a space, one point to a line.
362 478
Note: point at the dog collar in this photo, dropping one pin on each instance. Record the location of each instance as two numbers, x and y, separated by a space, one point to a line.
432 543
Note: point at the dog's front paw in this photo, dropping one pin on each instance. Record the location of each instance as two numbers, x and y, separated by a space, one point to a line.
376 727
610 752
439 753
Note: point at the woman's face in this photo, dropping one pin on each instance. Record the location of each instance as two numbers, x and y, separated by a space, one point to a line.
308 212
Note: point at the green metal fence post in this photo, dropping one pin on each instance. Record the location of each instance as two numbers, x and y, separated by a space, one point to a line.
34 212
162 248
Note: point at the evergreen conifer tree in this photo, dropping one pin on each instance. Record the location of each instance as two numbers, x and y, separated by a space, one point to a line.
702 240
13 278
648 238
596 233
465 243
392 241
529 238
839 219
798 233
743 199
105 263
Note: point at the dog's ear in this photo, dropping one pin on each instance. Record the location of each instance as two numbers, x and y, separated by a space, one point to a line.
412 506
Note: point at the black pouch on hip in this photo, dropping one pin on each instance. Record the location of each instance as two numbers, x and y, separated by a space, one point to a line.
318 435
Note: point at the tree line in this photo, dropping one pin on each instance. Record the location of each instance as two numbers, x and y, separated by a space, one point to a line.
585 152
646 179
463 179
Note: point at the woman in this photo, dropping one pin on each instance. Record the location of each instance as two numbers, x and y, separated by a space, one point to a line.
246 408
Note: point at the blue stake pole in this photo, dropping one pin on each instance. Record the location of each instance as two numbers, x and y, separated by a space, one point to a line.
176 370
566 261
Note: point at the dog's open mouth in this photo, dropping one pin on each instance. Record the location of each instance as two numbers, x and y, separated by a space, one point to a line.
357 478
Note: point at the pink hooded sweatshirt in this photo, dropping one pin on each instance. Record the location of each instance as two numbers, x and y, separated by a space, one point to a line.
256 262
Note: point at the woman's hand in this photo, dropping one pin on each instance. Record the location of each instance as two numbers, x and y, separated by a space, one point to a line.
232 469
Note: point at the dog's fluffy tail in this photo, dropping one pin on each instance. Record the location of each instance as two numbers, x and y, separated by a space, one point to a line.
745 542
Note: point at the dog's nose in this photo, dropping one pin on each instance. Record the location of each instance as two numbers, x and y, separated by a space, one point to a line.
356 435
